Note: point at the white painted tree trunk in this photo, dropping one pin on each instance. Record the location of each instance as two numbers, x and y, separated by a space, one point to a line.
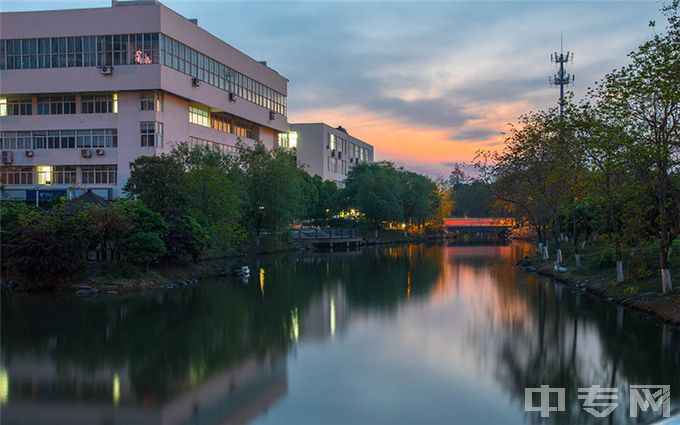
666 281
577 257
546 256
619 271
559 256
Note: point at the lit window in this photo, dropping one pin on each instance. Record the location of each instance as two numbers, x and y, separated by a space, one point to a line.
44 174
331 143
3 106
199 116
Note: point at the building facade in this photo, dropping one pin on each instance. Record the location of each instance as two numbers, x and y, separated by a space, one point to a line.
85 92
325 151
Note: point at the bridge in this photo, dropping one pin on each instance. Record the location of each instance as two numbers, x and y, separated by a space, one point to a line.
464 226
328 236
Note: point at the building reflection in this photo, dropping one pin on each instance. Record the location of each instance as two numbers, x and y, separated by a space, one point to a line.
42 392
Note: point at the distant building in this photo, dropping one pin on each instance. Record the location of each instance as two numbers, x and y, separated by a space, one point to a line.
85 92
326 151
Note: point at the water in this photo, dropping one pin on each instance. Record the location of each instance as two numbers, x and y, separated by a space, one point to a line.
417 334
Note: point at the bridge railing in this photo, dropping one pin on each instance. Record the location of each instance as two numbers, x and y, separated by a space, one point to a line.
324 233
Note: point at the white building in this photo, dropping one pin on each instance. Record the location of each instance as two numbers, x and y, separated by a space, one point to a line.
326 151
85 92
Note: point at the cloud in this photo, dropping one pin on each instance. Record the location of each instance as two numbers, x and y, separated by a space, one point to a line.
475 134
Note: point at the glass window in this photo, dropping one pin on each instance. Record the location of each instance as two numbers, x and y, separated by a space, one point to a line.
99 174
151 133
16 175
16 106
64 174
99 103
199 116
44 173
56 105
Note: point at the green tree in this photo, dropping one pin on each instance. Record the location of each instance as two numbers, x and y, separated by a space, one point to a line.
159 182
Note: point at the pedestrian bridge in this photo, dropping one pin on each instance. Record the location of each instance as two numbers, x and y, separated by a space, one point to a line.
327 236
478 224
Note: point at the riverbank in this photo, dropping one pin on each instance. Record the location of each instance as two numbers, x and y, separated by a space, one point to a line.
641 294
118 278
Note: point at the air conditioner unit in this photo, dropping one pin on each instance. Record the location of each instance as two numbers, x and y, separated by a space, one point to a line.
272 115
100 152
29 153
333 153
7 157
106 70
196 82
86 153
232 96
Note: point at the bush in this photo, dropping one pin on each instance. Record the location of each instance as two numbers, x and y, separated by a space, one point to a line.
41 255
187 238
143 248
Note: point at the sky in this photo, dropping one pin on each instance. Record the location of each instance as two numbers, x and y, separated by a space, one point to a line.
427 83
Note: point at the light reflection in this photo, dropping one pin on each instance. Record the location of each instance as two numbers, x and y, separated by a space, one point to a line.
294 325
262 281
116 389
408 285
4 386
332 319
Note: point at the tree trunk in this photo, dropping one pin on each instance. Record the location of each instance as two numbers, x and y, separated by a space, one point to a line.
577 258
666 281
559 256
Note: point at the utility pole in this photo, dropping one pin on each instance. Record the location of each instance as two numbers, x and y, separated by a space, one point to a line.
562 78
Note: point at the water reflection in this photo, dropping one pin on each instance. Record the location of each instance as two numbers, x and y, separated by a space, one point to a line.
419 333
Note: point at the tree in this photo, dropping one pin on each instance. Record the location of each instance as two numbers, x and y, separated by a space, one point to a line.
186 238
420 198
375 190
643 98
159 182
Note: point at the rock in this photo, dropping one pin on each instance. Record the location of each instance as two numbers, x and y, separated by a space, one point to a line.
111 292
86 292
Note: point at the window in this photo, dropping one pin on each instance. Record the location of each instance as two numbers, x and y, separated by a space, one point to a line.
99 103
16 175
191 62
56 105
151 133
226 149
99 174
64 174
16 106
331 141
220 123
288 140
199 116
58 139
151 101
44 173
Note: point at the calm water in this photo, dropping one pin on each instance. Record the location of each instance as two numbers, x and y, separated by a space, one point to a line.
418 334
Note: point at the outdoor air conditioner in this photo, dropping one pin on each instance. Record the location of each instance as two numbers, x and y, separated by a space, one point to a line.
100 152
232 96
272 115
7 157
86 153
29 153
106 70
333 153
196 82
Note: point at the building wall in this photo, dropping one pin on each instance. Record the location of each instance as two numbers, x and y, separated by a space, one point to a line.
128 81
315 153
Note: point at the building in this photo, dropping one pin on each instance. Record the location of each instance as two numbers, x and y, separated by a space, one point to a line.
85 92
326 151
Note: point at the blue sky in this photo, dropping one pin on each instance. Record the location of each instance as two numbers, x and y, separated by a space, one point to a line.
428 83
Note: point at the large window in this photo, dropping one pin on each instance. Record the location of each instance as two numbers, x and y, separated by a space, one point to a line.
99 103
151 101
99 174
151 133
64 174
44 173
62 52
227 149
189 61
199 116
16 175
56 105
59 139
16 106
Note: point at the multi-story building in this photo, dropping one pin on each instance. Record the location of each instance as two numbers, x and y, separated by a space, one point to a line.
326 151
85 92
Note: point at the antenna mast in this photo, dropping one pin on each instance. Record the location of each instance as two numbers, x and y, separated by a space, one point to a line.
562 78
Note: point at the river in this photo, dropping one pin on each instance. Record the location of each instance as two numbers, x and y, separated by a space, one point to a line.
383 335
